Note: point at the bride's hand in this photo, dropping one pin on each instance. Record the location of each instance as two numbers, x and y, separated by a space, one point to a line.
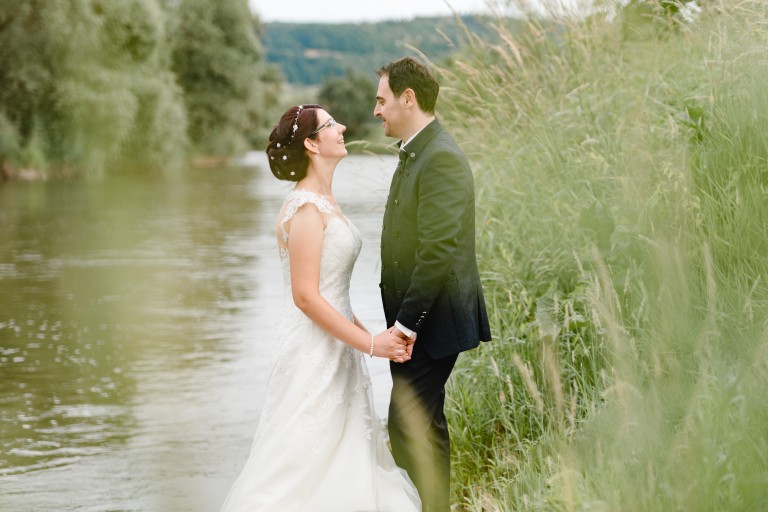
389 345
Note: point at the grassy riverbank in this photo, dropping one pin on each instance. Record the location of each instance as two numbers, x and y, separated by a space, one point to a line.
622 186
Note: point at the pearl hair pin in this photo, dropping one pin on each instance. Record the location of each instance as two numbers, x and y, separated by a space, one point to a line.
295 126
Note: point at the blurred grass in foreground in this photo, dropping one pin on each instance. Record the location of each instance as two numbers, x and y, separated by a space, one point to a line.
622 190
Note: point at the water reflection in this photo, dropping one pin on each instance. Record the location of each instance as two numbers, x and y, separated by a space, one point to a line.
135 321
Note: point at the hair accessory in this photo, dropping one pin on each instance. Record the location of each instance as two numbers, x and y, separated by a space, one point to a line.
295 124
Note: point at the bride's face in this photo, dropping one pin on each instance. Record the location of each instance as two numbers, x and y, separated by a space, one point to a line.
330 135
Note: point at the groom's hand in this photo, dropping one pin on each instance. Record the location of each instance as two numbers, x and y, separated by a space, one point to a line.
400 334
409 341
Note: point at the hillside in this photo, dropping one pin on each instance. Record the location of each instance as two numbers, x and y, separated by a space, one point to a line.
307 53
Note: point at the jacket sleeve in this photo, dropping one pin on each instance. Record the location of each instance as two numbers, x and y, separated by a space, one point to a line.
445 189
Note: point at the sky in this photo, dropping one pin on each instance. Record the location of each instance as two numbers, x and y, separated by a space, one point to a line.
331 11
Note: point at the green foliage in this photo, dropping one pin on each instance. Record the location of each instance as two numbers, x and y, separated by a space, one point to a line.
27 65
9 140
77 78
622 227
348 99
97 85
228 89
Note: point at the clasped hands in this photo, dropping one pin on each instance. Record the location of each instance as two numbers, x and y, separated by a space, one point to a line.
395 345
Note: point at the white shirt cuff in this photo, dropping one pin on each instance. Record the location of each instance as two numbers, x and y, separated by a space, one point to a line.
404 329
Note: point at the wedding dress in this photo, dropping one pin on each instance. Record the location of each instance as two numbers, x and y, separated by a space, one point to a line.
318 446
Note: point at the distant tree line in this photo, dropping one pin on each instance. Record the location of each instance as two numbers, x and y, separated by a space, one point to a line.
309 53
94 85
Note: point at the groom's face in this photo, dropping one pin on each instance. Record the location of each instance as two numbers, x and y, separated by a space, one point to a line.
389 109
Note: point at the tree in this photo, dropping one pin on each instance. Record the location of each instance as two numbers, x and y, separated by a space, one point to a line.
228 87
349 99
87 85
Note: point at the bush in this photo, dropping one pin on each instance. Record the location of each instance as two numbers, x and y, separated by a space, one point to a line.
622 213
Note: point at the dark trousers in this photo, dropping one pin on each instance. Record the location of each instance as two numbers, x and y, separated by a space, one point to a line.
418 429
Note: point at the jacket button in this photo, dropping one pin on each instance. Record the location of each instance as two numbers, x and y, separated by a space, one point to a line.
396 264
397 203
399 294
396 233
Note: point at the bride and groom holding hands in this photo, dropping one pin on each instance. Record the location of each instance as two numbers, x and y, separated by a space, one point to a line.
318 446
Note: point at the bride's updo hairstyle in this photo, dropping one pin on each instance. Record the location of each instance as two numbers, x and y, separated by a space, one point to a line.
288 159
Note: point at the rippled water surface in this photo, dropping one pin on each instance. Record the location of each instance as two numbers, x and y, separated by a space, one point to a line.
136 317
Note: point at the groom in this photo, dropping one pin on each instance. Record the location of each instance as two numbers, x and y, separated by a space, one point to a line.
430 284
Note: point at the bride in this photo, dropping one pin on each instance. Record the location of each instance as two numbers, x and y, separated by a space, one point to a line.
318 446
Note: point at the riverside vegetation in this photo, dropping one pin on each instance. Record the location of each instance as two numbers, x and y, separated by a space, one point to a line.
102 86
90 86
622 191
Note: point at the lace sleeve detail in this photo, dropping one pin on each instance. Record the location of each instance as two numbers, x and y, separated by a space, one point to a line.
298 198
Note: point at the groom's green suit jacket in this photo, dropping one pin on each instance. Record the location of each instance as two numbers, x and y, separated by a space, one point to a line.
429 277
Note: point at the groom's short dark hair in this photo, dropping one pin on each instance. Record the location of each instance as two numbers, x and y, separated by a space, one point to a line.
409 73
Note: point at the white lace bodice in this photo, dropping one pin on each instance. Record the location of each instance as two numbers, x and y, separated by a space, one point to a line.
341 246
295 200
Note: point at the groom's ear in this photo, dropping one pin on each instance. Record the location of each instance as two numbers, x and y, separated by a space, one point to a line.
410 97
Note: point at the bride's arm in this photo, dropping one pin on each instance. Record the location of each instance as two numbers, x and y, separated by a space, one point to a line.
305 245
358 323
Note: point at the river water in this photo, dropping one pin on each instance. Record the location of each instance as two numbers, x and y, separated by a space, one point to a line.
136 318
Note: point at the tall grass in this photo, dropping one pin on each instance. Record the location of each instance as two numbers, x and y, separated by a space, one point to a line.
622 186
